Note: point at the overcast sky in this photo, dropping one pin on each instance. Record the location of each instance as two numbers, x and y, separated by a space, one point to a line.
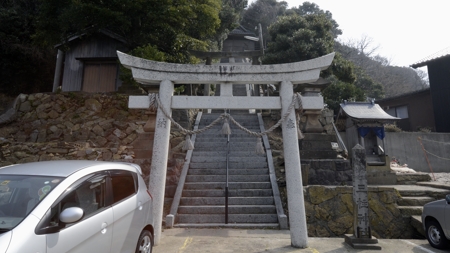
405 31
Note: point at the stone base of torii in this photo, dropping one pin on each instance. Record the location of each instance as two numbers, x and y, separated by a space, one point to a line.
166 75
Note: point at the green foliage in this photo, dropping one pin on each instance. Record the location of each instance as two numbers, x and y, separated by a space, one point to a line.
308 8
296 38
342 69
392 128
370 87
340 91
24 67
170 25
264 12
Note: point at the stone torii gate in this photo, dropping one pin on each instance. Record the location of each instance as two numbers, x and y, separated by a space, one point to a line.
167 74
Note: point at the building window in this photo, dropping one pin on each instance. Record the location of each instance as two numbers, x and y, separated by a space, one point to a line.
399 111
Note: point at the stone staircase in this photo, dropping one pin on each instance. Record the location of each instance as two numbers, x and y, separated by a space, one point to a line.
414 195
251 201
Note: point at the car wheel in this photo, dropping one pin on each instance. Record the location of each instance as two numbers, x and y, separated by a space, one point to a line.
145 242
435 235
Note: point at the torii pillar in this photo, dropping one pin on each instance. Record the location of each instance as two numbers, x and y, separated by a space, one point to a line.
167 74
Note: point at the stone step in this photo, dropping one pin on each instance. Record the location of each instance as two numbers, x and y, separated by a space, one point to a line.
231 185
231 193
412 178
237 116
262 171
232 178
233 209
319 137
414 201
218 125
422 191
230 225
211 159
201 201
223 139
232 153
416 222
318 154
232 218
314 145
220 137
410 210
233 145
231 165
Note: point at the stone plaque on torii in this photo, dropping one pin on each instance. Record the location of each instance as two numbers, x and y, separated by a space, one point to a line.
166 75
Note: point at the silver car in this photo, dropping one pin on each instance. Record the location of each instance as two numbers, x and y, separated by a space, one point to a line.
436 222
74 206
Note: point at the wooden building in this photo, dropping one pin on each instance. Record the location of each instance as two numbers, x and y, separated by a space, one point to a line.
438 66
415 110
237 42
90 64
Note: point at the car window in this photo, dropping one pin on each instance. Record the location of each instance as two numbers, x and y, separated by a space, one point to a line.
88 194
20 194
124 184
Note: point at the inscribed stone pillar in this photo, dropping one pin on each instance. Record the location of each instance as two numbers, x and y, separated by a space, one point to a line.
296 206
362 237
360 196
160 155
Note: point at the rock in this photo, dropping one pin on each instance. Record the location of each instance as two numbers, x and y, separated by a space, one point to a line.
93 104
98 130
25 106
319 194
53 114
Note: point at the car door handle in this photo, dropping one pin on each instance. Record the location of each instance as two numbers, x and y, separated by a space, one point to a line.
140 205
104 225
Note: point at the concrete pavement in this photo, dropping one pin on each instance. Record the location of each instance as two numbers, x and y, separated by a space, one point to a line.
185 240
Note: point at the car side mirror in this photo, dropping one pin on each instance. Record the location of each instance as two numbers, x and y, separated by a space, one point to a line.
71 215
447 198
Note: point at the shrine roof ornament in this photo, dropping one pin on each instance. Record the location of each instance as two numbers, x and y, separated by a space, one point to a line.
152 72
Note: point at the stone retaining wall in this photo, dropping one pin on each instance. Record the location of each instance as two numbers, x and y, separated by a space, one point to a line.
328 171
85 126
329 212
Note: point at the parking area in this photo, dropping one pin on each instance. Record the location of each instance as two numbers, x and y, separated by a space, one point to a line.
184 240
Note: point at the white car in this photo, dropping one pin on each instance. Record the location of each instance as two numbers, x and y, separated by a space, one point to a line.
436 222
74 206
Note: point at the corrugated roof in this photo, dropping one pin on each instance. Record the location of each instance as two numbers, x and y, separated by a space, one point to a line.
366 111
438 55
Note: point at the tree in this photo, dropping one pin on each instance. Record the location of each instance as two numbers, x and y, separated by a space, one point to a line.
339 91
264 12
308 8
230 15
24 67
171 25
298 38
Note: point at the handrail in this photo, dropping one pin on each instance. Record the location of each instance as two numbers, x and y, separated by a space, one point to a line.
170 218
226 186
340 142
282 218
